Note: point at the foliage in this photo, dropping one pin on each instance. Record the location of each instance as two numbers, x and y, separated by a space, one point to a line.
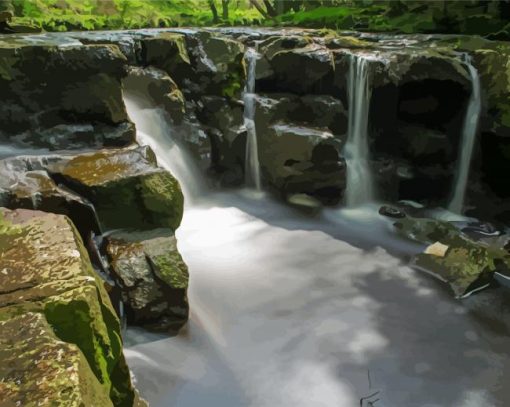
405 16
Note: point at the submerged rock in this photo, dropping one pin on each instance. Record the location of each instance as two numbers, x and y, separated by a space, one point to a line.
152 277
48 281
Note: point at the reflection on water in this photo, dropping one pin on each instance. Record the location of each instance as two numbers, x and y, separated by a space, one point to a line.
292 311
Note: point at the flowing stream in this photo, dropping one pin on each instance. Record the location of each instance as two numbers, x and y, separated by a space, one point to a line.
252 166
467 141
359 188
288 310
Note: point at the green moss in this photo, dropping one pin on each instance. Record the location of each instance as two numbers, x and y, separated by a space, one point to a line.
162 199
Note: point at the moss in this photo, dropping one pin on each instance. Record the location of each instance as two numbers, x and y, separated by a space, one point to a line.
58 281
162 198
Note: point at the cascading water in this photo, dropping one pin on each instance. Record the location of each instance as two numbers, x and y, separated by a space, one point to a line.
467 142
153 129
359 188
252 166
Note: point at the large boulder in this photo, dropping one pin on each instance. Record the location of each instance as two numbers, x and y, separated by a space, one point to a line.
297 159
152 277
63 97
126 187
46 271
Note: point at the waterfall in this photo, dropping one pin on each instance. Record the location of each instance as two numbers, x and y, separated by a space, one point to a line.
359 188
252 166
154 130
467 142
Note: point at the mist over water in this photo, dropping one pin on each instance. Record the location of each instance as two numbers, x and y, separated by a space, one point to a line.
290 310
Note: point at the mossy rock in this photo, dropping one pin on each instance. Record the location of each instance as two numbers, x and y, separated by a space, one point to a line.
466 265
127 188
39 367
46 270
166 51
152 277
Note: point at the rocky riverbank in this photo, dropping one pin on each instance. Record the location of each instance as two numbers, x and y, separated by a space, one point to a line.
89 217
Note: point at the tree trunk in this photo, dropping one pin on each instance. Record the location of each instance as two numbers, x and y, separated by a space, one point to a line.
259 8
224 5
214 11
270 9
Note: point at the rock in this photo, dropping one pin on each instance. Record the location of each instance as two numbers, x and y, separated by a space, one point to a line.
315 65
302 160
437 249
152 277
126 187
161 89
305 202
167 51
25 184
46 271
466 265
391 212
89 100
59 375
218 64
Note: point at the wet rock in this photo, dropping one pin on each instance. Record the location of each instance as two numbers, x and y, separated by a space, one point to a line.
391 212
35 100
46 271
466 265
315 65
25 184
161 89
168 52
126 187
152 277
298 159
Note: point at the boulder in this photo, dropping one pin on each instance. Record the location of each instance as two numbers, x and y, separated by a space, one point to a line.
126 187
218 63
40 107
46 271
152 277
25 184
167 51
59 375
316 69
296 159
465 264
159 87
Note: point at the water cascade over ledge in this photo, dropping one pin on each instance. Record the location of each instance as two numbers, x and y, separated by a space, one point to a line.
467 142
359 188
252 166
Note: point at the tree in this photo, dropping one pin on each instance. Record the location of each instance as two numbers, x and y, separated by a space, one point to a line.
224 5
214 11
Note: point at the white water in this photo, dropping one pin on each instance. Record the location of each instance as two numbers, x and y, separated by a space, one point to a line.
467 142
302 312
153 130
359 188
252 166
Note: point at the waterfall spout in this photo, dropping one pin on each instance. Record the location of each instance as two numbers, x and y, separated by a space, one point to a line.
359 188
252 166
467 142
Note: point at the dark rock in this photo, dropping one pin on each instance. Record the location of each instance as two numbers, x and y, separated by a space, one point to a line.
391 212
152 277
